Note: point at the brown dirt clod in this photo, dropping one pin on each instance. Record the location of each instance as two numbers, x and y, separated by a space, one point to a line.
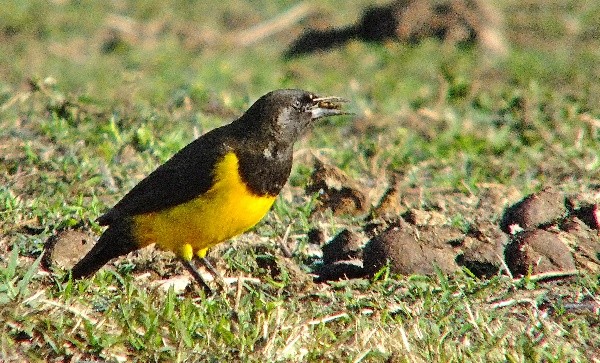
584 241
408 252
346 245
483 249
337 191
538 250
539 209
339 270
590 215
67 247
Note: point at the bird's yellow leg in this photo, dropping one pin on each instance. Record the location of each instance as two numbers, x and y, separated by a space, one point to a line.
186 252
201 253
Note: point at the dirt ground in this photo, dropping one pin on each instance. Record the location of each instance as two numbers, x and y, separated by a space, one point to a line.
546 232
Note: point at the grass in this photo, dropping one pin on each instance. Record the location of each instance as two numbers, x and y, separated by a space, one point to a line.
94 95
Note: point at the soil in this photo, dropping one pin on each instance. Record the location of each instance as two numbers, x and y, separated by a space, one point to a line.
535 211
337 192
545 232
410 21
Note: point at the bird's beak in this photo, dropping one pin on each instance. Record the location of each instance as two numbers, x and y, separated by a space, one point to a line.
327 106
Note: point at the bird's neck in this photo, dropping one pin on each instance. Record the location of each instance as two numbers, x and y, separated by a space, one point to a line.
265 172
265 161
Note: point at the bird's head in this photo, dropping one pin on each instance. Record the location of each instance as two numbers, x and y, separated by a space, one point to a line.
285 115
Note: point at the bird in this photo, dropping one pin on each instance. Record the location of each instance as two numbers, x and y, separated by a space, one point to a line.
215 188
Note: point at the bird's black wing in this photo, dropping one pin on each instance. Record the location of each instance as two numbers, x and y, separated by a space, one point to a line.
188 174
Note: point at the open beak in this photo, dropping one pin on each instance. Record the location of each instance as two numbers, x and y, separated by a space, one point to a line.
327 106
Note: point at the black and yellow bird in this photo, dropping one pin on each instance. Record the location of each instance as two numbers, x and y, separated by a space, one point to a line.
215 188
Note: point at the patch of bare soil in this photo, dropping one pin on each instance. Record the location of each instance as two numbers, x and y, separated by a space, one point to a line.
410 21
535 211
545 232
337 192
411 249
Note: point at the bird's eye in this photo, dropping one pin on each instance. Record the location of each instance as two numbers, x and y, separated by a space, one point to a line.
297 105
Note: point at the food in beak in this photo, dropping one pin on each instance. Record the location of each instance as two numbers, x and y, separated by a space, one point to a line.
327 106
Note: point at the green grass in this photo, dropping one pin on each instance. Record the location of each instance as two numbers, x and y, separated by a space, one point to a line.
93 96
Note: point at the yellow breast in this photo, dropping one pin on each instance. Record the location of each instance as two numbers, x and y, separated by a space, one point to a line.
226 210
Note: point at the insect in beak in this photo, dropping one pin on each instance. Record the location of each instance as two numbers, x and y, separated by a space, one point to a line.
327 106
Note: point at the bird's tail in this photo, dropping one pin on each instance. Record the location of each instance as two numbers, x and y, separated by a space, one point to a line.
115 241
